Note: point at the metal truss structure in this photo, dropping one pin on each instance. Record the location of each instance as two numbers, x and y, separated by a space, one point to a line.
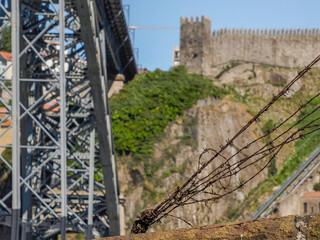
64 55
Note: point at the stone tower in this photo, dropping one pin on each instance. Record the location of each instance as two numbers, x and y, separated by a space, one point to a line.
195 44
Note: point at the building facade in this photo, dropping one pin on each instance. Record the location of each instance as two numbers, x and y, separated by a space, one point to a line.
310 203
176 56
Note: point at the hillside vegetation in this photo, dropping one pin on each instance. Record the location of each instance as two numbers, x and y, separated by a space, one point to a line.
146 106
162 120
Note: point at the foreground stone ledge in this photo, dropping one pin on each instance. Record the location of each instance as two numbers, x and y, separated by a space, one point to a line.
291 227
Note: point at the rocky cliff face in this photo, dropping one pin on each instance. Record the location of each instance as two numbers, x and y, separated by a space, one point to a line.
209 124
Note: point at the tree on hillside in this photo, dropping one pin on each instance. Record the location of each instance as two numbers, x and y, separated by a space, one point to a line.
6 40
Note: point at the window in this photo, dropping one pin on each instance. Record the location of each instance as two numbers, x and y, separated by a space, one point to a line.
311 210
305 207
319 207
176 53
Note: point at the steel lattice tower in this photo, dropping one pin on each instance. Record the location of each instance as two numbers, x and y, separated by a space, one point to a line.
63 169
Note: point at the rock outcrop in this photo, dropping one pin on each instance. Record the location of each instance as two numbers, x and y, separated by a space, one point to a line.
208 124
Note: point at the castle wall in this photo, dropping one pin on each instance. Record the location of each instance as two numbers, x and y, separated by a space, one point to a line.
292 49
200 49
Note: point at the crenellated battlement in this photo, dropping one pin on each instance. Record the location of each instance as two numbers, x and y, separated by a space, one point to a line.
194 20
201 48
266 32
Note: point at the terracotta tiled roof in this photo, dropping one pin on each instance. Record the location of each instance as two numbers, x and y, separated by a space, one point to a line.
49 105
312 194
2 115
3 110
6 55
52 42
7 123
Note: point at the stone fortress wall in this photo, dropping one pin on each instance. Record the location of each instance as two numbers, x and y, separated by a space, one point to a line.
201 49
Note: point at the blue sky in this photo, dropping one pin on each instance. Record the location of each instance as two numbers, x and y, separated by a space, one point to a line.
156 46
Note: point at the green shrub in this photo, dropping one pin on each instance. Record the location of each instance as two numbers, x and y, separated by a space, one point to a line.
272 168
143 108
7 155
316 187
6 40
267 127
166 173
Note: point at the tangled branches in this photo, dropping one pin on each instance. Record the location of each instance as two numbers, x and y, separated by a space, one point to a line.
217 172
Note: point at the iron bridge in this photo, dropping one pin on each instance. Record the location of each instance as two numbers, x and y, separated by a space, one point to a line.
58 171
